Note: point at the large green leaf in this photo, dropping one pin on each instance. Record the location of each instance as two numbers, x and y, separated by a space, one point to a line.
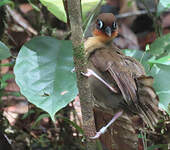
160 45
43 73
161 74
4 51
56 7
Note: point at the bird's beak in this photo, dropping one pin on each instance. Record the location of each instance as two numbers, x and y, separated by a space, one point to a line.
108 31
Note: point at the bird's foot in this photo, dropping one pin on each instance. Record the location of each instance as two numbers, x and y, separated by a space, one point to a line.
104 129
98 134
92 73
73 70
88 73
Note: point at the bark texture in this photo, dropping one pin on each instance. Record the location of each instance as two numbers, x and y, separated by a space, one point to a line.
74 11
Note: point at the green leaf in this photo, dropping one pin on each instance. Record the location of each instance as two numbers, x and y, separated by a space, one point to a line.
72 123
40 117
56 7
87 6
7 76
133 53
160 46
7 64
162 84
4 78
153 147
159 71
141 56
4 2
16 94
28 114
163 60
165 3
43 73
130 3
163 6
4 51
34 6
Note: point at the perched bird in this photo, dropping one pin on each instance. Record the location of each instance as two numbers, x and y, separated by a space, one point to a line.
118 82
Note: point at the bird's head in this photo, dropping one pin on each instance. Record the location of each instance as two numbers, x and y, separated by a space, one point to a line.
106 27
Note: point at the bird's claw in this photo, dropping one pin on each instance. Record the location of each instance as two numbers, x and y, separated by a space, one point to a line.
73 70
88 73
98 134
104 129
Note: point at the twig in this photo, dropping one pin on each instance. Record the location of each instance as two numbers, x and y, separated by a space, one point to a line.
66 10
154 18
147 8
135 13
80 61
20 20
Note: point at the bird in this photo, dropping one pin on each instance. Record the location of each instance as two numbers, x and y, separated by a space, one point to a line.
118 82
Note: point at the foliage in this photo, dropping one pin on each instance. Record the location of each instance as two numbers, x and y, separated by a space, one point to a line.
162 146
3 80
72 123
56 7
163 6
4 51
44 74
34 6
160 46
162 84
156 61
45 77
4 2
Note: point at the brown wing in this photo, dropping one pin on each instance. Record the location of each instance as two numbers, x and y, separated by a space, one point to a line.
109 61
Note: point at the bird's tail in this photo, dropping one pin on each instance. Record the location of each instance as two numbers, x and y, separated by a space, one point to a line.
148 101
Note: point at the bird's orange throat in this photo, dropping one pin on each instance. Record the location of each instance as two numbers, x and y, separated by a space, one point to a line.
102 37
98 40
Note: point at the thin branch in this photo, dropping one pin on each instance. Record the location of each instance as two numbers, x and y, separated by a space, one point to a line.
148 10
20 20
135 13
66 10
74 11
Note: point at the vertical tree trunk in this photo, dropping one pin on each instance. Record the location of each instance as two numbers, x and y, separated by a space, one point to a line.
74 11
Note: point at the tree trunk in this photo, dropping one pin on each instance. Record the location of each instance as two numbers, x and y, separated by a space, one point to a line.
80 61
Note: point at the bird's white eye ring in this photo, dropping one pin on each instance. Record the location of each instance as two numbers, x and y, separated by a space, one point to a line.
100 24
114 25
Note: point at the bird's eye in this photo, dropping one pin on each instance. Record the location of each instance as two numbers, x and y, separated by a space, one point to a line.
114 25
99 24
